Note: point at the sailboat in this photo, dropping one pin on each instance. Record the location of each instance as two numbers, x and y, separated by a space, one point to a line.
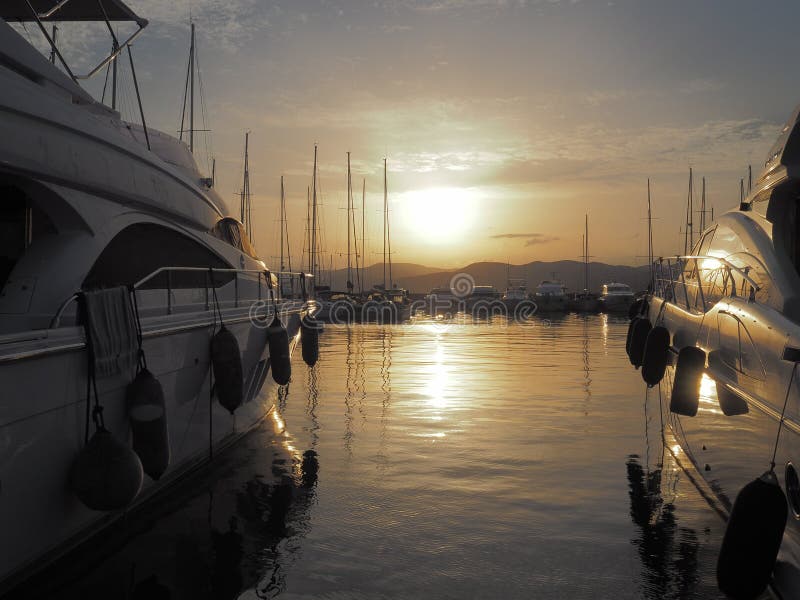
585 301
112 220
346 306
388 303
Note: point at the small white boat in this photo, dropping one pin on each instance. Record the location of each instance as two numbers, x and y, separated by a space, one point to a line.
484 301
551 296
442 301
616 297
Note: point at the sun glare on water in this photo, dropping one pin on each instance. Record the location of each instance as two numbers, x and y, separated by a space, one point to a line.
440 215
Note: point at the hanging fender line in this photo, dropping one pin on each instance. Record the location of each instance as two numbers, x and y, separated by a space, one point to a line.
782 419
96 412
142 360
216 312
216 300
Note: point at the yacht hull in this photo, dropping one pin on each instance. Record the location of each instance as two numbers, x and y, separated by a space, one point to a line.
727 451
43 423
547 304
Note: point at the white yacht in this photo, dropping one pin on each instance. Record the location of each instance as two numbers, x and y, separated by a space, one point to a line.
90 202
616 297
551 296
727 318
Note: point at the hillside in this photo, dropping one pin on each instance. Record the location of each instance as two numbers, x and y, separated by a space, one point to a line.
419 278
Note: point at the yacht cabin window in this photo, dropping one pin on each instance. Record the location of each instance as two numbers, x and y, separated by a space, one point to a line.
21 223
140 249
231 231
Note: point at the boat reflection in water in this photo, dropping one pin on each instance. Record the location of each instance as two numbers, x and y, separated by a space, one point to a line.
231 529
440 463
668 552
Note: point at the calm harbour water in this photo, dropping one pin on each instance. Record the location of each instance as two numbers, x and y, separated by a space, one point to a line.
485 460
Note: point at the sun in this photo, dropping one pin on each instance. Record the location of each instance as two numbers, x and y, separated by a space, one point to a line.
441 215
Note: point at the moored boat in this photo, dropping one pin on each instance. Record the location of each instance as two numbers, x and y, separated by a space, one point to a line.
119 259
484 301
724 346
516 293
616 297
551 296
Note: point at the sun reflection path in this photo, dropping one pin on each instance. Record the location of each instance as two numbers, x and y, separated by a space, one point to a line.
438 375
708 396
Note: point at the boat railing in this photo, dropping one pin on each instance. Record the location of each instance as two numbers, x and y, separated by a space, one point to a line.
697 282
186 288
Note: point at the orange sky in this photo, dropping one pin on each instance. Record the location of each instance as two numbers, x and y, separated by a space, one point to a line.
503 121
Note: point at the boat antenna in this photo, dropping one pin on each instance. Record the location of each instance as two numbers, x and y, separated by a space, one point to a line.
749 179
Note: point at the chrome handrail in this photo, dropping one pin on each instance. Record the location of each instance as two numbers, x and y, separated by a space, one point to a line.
55 322
666 279
725 262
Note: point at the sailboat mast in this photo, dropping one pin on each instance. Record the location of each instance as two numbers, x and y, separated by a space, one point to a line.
249 203
688 236
314 218
384 223
649 232
283 223
356 270
307 242
586 253
191 95
246 216
387 246
363 233
703 207
349 283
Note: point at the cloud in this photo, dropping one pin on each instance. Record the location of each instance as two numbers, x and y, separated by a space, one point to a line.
531 239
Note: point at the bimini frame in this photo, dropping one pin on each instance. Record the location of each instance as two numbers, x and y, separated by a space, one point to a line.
60 11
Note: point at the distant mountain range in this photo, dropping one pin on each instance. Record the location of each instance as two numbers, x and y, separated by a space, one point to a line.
420 278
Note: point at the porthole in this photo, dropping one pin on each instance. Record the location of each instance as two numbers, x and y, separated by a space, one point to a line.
793 489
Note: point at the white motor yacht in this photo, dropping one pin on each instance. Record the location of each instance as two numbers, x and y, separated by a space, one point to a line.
551 296
109 227
728 319
616 297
